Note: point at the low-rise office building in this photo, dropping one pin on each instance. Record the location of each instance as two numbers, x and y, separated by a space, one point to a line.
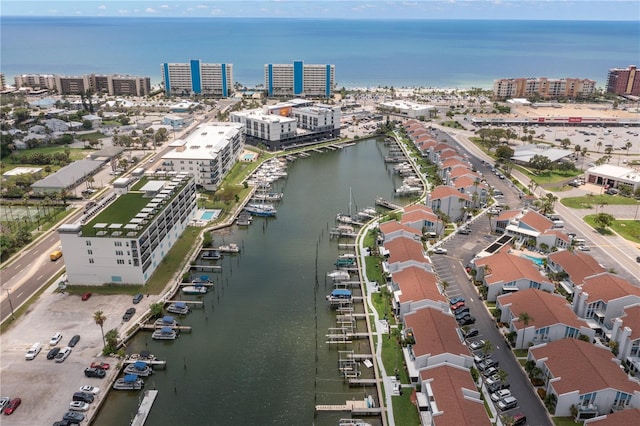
124 238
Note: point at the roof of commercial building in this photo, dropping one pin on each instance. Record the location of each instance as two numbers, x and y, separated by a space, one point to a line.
435 332
582 366
68 175
406 105
609 170
544 309
452 388
526 152
205 142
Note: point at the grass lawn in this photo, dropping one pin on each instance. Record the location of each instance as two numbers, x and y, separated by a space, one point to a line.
74 153
627 229
591 201
404 412
95 136
392 357
548 177
564 421
520 353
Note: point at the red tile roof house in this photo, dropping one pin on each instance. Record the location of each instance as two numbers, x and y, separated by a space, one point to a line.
584 375
601 298
550 318
450 202
576 265
433 153
394 229
414 288
422 218
404 252
448 397
504 273
529 224
473 187
619 418
450 164
424 146
437 341
626 333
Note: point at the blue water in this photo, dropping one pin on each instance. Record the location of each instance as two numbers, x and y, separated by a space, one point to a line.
397 53
538 261
209 214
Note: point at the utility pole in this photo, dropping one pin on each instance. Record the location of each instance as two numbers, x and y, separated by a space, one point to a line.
10 304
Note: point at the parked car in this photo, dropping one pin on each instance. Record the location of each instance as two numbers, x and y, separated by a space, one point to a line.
63 354
462 310
468 320
498 395
128 314
507 403
12 405
53 352
475 345
137 298
489 372
457 306
90 389
33 351
497 385
55 339
464 231
66 423
455 300
462 314
73 416
488 362
95 372
440 250
584 248
100 365
78 406
74 340
86 296
472 332
83 396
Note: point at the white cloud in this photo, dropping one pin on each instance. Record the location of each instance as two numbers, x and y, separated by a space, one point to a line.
102 7
202 6
164 6
150 10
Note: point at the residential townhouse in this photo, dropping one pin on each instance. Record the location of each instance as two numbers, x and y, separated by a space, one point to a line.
422 218
528 225
394 229
573 267
626 333
537 317
585 376
449 397
626 417
478 191
446 200
504 273
404 252
414 288
437 341
603 297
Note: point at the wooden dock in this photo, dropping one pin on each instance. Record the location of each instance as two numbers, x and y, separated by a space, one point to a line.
387 204
363 382
152 327
362 407
192 302
144 408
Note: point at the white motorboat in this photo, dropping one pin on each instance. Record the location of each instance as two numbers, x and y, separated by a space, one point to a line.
139 368
164 333
179 308
129 382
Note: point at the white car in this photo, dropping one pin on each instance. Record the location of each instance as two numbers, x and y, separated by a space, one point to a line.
440 250
90 389
498 395
78 406
584 248
55 339
476 345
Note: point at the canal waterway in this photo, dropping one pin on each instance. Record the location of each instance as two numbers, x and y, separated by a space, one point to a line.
257 353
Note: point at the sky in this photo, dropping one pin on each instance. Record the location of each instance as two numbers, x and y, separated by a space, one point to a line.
603 10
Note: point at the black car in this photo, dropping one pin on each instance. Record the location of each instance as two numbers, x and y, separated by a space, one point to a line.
66 423
128 314
462 310
468 320
53 352
95 372
83 396
494 387
472 332
74 340
137 298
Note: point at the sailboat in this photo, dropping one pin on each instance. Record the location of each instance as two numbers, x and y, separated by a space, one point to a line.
347 218
261 208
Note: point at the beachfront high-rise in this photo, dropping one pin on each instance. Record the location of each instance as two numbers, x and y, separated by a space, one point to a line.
624 81
197 78
299 79
543 87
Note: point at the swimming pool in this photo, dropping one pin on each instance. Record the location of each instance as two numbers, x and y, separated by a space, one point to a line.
209 214
537 260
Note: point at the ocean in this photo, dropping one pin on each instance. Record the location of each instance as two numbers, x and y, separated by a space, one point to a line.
366 53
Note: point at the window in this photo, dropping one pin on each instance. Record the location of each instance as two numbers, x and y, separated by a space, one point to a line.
89 251
88 243
118 243
119 253
120 261
91 261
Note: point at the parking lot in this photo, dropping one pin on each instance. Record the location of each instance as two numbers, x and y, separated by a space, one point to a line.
46 387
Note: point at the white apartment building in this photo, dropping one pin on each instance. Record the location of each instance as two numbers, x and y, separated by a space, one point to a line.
123 239
288 123
208 153
544 87
197 78
35 81
299 79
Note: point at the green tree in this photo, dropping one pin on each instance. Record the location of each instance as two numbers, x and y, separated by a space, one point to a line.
156 310
111 337
540 162
99 318
525 318
603 220
504 152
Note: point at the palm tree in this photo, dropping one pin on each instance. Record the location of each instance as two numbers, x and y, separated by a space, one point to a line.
99 318
525 318
628 145
599 144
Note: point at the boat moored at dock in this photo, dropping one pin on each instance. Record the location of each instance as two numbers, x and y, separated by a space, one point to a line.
165 333
165 321
129 382
179 308
339 275
198 288
139 368
339 295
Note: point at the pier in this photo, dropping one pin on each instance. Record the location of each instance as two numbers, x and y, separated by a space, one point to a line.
363 382
155 363
387 204
144 408
187 302
152 327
